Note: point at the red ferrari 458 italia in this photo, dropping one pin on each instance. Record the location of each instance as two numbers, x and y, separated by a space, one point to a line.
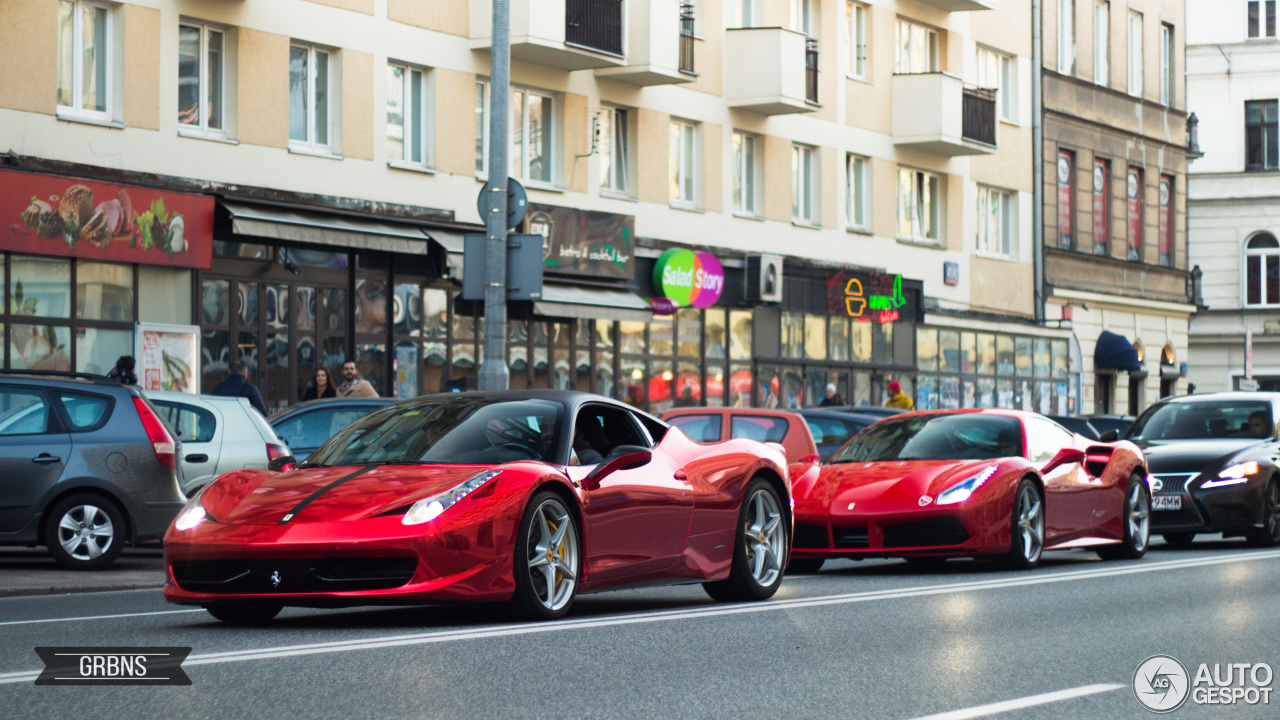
529 497
999 483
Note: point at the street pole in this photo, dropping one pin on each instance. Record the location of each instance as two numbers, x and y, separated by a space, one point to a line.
493 368
1037 159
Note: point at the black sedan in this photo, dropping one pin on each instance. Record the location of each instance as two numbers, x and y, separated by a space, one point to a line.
831 430
305 426
1213 465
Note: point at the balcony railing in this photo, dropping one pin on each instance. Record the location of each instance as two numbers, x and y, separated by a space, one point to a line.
811 70
979 113
594 24
686 37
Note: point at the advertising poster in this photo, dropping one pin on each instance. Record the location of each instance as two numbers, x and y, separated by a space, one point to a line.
167 357
1133 191
1101 186
1166 226
1065 209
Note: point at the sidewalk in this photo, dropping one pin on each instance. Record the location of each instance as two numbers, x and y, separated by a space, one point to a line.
30 571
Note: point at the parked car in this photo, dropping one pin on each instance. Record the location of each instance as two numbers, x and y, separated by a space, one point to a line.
86 466
873 410
831 430
218 434
1106 423
1077 425
307 425
713 424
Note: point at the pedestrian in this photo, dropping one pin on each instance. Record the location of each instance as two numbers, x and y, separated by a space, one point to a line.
352 384
830 398
123 371
237 385
897 398
320 386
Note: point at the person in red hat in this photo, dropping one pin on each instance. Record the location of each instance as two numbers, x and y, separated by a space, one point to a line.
897 398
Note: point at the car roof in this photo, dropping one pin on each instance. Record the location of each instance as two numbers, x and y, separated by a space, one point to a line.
757 412
337 402
68 379
839 415
173 395
1020 414
1272 397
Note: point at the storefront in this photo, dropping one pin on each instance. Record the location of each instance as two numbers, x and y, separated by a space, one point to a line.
962 368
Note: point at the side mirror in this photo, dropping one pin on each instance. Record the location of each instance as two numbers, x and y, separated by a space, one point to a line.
1065 456
1109 436
284 463
625 461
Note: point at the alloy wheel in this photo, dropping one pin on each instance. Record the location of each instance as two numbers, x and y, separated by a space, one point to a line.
1139 517
85 532
764 540
1030 524
553 555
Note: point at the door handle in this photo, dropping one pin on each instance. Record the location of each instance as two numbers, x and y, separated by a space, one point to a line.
197 458
45 459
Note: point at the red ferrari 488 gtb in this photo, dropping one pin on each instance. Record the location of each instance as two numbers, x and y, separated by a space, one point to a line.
1000 483
530 497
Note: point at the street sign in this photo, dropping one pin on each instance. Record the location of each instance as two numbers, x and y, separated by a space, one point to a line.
524 267
517 202
1246 384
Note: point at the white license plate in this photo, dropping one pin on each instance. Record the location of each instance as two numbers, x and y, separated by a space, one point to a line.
1166 502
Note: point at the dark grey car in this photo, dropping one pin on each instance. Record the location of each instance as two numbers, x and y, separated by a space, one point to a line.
86 466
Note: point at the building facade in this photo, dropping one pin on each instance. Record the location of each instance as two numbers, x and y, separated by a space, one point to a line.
857 174
1115 186
1233 83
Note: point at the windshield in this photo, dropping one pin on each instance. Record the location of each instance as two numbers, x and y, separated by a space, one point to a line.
1205 419
448 431
964 436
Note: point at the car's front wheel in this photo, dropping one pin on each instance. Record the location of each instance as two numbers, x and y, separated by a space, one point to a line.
1269 534
1137 524
759 548
548 559
244 614
1026 528
84 531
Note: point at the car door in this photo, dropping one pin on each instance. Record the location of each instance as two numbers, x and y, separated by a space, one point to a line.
637 519
34 450
200 430
1070 492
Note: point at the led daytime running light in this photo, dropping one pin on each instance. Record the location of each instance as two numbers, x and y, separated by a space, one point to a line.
963 490
428 509
1233 475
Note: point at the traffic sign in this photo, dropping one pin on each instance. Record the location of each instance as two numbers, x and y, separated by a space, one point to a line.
517 203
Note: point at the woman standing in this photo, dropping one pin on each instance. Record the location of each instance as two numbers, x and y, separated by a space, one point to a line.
320 387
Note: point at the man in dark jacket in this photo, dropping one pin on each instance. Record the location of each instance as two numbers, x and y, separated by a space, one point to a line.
237 385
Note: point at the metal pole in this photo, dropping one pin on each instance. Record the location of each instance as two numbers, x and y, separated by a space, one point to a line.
493 368
1037 156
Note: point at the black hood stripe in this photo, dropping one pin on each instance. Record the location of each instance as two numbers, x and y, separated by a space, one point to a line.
311 498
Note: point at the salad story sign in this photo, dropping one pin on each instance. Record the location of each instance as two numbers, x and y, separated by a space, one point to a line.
167 356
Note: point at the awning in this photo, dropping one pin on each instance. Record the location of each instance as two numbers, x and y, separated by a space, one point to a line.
1115 352
450 240
326 229
583 302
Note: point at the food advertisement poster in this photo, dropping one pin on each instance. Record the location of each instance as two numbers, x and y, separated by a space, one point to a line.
167 357
50 215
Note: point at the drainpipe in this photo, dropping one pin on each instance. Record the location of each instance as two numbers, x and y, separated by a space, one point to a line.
1037 156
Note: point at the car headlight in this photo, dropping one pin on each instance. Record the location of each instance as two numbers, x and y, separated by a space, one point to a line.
1233 475
962 490
430 508
193 514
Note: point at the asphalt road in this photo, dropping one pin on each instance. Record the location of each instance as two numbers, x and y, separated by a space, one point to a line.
876 639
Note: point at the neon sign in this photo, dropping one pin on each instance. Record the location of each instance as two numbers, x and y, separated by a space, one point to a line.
878 301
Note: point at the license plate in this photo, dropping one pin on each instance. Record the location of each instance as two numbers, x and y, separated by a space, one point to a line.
1166 502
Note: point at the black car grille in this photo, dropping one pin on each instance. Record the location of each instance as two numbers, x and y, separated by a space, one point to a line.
926 533
811 536
851 537
294 575
1172 483
1184 517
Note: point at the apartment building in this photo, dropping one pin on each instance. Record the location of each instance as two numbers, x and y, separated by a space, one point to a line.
857 175
1233 85
1115 154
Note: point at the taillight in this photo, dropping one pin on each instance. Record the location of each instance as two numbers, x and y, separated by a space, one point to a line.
814 459
276 451
161 441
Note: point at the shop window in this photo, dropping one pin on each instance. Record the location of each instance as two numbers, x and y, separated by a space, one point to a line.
333 310
689 329
740 347
1061 359
42 347
861 335
201 79
409 112
86 57
250 251
949 351
662 335
815 337
688 385
371 306
1005 364
632 337
1023 350
882 343
1041 360
716 337
927 349
310 80
1005 394
104 291
967 352
40 287
838 339
986 393
632 382
986 354
792 335
715 387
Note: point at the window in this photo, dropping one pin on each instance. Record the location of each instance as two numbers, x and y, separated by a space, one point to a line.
1135 54
999 72
1133 210
85 57
748 12
1166 63
1102 42
1067 36
1045 439
804 17
193 423
85 411
681 163
1101 206
309 84
857 18
699 428
996 221
1066 199
23 412
1262 137
201 73
744 173
408 115
804 184
857 185
482 128
917 49
1166 220
1262 18
918 205
614 149
532 128
759 428
1262 270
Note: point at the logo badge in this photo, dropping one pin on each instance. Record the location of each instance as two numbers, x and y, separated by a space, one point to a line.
925 500
1156 485
1161 684
275 578
851 506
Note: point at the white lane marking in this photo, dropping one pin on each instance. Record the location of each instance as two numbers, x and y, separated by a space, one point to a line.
97 617
1022 703
669 615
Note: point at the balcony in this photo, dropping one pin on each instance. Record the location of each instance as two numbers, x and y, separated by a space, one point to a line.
961 5
772 71
568 34
659 44
937 113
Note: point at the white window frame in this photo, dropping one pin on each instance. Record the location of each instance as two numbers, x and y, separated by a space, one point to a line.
1262 6
857 193
806 17
1102 43
205 98
746 195
913 211
615 131
995 235
805 186
76 109
747 12
311 144
905 49
1067 37
999 72
421 116
1135 54
856 18
1166 64
683 178
520 165
1262 254
482 127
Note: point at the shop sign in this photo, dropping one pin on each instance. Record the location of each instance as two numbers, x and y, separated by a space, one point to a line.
51 215
593 244
877 301
690 279
167 356
663 306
